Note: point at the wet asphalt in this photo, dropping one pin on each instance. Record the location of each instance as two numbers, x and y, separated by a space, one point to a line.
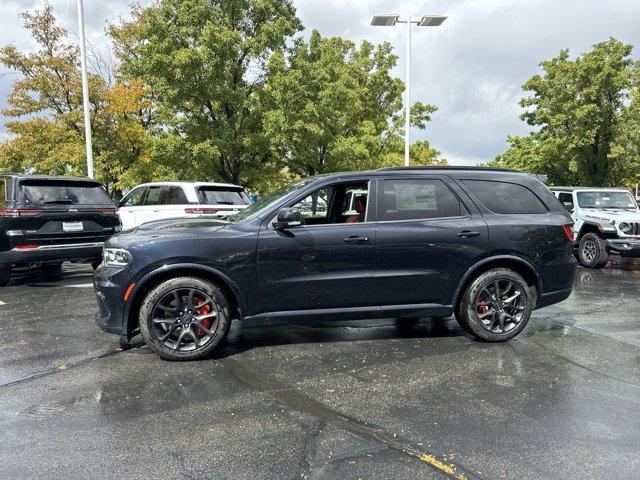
381 399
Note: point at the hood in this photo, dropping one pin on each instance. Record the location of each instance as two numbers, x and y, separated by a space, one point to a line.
169 228
612 214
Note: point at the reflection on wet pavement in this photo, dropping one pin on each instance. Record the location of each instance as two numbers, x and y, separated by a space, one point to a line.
370 399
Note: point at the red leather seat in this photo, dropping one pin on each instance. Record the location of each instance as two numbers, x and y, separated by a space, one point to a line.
360 206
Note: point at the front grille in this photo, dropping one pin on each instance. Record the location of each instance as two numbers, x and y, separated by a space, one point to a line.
635 229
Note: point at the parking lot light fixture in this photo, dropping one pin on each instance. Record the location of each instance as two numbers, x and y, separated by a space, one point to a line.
384 20
390 20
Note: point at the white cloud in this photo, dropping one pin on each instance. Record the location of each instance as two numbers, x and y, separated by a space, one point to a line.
471 68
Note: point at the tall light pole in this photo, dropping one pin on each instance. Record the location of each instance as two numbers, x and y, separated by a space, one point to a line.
85 91
390 20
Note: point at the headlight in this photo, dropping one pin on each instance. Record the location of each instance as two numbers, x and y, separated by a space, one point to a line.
116 257
624 227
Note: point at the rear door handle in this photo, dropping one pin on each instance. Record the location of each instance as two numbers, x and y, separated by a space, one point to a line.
356 239
468 233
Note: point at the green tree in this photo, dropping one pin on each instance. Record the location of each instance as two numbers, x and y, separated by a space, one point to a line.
45 104
331 106
204 61
578 108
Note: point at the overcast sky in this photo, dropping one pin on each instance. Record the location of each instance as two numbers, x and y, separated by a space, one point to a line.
472 67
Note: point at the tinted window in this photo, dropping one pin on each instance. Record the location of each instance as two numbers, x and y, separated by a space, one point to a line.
503 197
419 199
133 198
176 196
154 196
222 196
3 190
44 192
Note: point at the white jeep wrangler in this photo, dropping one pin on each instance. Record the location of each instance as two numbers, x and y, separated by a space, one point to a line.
607 220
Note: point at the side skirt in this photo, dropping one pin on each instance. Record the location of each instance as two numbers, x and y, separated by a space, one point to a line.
352 313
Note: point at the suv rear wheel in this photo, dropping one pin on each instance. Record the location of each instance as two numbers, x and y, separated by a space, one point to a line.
184 318
496 306
5 275
592 251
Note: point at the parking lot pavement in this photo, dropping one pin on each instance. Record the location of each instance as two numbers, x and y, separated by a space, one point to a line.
367 399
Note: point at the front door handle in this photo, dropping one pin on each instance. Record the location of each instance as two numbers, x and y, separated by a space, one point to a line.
356 239
468 233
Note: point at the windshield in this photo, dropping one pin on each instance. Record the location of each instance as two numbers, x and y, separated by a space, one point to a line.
613 199
222 196
254 209
52 192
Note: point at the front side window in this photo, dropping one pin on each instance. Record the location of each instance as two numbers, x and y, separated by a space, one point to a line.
339 203
133 198
505 197
612 199
566 199
406 199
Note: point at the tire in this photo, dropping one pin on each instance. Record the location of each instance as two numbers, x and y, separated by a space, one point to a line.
492 319
192 335
5 275
592 251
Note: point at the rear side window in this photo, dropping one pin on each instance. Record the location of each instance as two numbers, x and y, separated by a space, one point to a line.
210 195
154 196
51 192
419 199
176 196
504 197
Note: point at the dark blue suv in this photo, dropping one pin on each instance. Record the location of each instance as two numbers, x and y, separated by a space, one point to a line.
487 245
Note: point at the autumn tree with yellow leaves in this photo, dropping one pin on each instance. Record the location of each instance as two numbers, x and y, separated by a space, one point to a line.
46 133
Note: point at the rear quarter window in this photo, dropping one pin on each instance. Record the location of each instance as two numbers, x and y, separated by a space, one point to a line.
211 195
506 197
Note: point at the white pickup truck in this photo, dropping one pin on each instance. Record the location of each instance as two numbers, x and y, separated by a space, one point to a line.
607 220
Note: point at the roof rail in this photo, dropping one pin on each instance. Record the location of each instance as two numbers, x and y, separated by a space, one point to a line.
449 167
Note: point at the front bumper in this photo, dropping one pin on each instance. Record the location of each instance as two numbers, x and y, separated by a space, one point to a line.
110 285
52 253
624 245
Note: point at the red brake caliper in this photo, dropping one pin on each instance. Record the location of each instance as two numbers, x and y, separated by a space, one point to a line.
207 322
482 308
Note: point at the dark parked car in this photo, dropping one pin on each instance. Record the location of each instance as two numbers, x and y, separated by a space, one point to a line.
50 219
487 245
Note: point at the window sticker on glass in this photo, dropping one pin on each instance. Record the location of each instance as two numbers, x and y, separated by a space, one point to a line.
416 196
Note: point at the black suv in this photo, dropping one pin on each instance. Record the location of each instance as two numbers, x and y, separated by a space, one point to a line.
50 219
487 245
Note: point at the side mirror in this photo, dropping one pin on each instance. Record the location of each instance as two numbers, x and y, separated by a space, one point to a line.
288 218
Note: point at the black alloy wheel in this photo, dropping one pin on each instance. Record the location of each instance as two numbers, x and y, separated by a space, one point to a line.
184 318
496 305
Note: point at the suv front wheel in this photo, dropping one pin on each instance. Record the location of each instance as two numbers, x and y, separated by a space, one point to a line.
184 318
496 306
592 251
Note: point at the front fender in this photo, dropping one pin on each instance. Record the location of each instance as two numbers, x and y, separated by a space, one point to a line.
148 278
